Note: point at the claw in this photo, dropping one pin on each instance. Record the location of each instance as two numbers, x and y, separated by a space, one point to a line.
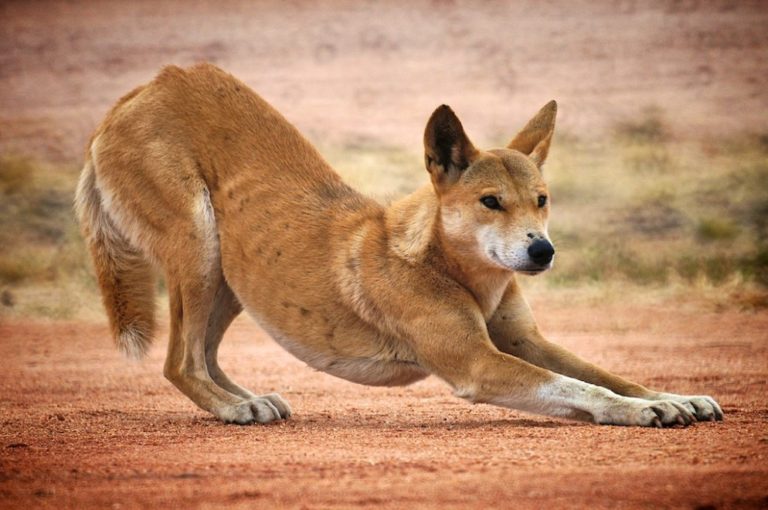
656 422
685 414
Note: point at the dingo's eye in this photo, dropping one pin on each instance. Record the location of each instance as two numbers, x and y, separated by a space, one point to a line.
542 200
491 202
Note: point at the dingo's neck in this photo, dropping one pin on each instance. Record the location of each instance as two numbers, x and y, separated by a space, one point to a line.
416 233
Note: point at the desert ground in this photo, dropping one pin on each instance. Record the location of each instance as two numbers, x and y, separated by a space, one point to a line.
83 428
659 181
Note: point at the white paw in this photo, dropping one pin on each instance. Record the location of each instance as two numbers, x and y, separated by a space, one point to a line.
264 409
645 413
703 407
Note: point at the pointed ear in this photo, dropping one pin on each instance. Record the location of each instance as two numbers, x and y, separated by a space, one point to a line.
447 149
535 137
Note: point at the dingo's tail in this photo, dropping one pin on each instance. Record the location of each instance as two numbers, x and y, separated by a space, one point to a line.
124 274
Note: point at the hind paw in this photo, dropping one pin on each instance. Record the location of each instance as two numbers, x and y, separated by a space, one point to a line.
263 409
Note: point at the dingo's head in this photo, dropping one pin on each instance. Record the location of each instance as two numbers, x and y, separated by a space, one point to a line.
493 204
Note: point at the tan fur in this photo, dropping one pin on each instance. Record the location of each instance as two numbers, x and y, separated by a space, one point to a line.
124 276
199 175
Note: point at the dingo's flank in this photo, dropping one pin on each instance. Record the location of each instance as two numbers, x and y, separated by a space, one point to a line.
197 175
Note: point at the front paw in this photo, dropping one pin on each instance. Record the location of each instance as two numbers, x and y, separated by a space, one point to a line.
702 407
645 413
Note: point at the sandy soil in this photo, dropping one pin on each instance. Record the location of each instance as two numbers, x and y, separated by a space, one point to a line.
353 70
82 427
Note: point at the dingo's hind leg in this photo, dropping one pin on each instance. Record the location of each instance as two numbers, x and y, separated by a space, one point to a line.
142 201
225 308
191 304
197 303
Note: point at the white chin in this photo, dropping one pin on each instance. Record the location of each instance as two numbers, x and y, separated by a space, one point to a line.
526 269
496 260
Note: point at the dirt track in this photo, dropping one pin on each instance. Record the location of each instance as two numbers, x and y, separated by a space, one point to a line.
82 427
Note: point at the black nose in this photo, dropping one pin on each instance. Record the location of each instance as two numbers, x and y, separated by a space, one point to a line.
541 252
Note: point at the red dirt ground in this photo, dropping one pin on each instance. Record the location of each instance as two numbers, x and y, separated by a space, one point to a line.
83 428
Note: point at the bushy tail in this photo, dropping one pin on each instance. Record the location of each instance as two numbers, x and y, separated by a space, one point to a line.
125 276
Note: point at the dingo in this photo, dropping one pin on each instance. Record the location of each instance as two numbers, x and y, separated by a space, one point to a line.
198 175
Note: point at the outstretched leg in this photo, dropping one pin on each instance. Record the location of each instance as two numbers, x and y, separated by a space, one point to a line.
481 373
513 331
225 308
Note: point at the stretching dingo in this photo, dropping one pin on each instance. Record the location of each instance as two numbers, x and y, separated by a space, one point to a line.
196 174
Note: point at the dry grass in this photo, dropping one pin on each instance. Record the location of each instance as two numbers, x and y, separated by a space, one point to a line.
638 215
43 264
654 211
384 173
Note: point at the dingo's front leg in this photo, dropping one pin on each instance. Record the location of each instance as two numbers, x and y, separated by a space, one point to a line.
513 330
605 407
457 348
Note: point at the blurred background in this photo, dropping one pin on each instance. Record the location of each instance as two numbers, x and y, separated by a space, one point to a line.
659 169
